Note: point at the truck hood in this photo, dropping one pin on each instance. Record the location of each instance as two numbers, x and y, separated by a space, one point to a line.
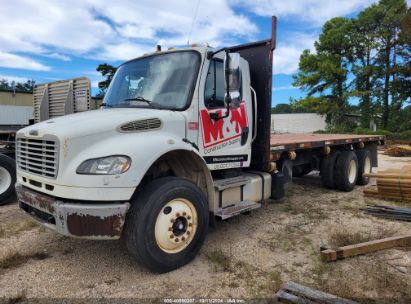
100 121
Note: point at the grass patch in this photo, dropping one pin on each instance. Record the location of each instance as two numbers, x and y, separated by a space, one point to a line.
19 297
219 259
344 237
288 237
14 227
259 283
362 280
13 258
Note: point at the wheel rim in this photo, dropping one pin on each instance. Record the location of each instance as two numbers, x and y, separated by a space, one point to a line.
176 225
367 165
5 180
352 172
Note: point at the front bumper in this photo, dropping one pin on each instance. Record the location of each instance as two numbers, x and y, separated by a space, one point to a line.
83 220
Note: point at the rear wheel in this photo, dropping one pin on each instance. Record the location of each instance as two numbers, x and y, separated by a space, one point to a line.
364 166
7 179
167 224
346 171
327 170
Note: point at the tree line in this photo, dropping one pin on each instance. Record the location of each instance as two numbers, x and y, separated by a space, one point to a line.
366 58
27 86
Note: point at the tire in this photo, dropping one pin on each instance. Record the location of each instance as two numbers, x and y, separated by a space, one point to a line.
346 171
7 179
327 170
302 170
364 166
167 224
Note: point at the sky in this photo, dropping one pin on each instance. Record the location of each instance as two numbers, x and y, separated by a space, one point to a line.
51 40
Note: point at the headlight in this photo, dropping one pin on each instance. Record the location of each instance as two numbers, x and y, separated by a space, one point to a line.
110 165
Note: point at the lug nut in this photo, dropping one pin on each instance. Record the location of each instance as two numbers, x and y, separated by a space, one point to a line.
177 240
189 217
171 236
188 232
183 238
170 229
189 225
172 220
178 214
184 213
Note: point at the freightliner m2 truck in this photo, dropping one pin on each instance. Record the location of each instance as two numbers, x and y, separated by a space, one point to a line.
183 138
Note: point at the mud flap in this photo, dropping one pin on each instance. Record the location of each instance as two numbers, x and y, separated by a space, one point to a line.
277 185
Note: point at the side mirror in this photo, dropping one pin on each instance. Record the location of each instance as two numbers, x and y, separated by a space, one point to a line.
232 75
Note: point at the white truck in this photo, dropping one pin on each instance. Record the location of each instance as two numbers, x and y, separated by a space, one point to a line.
183 138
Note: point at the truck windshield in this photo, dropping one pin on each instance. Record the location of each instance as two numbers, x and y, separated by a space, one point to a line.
163 81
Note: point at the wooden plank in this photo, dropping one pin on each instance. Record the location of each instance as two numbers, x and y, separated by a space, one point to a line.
285 297
296 293
390 175
329 255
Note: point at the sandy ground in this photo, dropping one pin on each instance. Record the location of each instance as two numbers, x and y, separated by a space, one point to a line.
247 257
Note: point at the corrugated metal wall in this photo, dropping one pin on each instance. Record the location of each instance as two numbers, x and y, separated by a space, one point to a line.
17 99
297 123
15 115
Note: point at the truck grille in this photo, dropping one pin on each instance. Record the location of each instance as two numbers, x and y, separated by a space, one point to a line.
37 156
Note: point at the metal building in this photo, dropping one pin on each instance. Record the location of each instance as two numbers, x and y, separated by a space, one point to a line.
297 123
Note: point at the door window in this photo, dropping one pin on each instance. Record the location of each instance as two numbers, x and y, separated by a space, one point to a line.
214 87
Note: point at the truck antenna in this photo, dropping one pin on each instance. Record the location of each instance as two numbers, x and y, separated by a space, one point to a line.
192 23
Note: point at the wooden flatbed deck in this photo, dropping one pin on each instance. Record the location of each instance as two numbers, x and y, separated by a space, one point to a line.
295 141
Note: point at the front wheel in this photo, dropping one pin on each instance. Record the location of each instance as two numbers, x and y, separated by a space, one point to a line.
7 179
167 224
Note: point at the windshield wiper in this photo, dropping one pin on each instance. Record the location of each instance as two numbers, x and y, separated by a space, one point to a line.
139 98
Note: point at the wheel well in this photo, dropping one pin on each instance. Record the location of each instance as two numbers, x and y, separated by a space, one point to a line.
184 164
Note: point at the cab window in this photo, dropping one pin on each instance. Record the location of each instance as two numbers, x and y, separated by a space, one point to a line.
214 87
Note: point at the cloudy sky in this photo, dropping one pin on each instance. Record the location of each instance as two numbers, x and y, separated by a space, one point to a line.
51 40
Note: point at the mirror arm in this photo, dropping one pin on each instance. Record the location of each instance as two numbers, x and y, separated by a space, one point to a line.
211 54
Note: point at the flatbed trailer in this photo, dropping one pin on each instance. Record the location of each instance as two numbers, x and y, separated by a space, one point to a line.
296 141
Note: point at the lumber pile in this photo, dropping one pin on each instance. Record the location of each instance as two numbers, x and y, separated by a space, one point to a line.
295 293
398 151
330 255
388 212
392 184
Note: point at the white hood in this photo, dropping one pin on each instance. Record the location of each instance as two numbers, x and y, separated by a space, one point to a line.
99 121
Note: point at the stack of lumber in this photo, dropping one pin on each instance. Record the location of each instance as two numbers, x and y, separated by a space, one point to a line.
295 293
392 184
395 213
398 151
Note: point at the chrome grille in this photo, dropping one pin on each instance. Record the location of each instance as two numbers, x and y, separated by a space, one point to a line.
141 125
37 156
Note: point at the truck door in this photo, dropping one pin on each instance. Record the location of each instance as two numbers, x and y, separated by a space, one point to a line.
225 142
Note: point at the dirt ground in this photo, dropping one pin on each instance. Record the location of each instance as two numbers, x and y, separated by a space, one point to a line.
247 257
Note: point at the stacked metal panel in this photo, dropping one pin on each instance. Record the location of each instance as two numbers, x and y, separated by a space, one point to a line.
388 212
61 98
